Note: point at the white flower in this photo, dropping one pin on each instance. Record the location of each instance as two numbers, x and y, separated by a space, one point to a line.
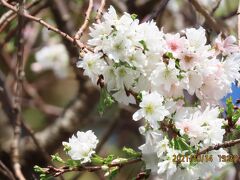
201 126
192 81
52 57
167 166
152 109
188 59
196 37
149 149
175 43
125 77
162 146
122 97
165 75
190 128
82 146
93 65
226 46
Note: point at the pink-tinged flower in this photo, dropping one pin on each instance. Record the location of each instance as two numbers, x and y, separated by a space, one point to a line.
188 60
175 43
191 128
226 46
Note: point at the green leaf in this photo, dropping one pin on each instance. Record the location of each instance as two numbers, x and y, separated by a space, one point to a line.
106 100
113 172
180 76
73 163
181 144
66 147
38 169
170 56
236 116
108 159
41 172
230 107
139 97
45 177
131 153
97 159
134 16
143 43
57 158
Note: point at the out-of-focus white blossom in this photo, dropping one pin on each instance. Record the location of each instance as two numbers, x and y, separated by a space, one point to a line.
82 146
53 57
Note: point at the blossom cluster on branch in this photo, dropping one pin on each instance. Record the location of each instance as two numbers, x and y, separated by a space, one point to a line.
177 80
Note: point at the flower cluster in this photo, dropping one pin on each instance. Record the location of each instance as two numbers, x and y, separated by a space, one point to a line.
53 57
197 129
137 57
179 79
82 146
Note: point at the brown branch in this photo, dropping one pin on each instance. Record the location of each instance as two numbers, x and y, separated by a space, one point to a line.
231 14
107 134
11 15
100 11
74 116
63 21
86 21
216 7
210 21
32 92
59 171
42 151
38 101
12 32
48 26
18 96
226 144
158 11
6 171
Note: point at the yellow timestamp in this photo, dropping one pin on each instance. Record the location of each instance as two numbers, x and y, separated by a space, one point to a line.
229 158
178 158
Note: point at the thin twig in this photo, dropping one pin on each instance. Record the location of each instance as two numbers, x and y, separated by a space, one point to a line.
86 21
39 102
226 144
11 15
18 96
12 32
216 7
48 26
230 15
158 11
210 21
42 151
6 171
100 11
59 171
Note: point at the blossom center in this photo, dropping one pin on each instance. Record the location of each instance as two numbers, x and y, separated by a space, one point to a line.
149 109
90 64
122 72
188 58
186 129
173 46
